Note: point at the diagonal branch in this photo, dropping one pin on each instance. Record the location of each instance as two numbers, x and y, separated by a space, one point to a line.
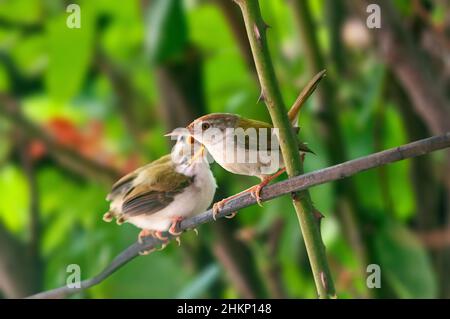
297 183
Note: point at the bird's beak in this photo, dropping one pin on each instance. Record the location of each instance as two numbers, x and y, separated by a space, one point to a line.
198 154
173 133
178 132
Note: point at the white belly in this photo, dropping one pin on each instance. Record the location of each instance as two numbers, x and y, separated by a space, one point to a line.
250 163
194 200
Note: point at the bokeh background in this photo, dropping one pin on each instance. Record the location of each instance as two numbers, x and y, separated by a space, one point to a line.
81 107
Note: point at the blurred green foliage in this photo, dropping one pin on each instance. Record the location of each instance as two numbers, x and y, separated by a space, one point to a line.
56 74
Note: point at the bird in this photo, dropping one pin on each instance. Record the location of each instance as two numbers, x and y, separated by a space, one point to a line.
159 195
254 155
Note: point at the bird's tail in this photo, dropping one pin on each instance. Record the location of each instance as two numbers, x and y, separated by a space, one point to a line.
303 97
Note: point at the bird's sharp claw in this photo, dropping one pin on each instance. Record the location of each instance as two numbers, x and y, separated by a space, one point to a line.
217 207
231 215
178 240
158 235
255 193
174 233
162 247
146 252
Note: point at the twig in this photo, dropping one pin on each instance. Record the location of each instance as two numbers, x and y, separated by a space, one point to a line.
270 92
296 183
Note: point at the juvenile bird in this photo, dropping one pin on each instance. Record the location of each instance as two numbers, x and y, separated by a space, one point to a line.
157 196
254 155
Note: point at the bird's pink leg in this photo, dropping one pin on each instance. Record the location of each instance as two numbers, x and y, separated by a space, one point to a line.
255 191
174 227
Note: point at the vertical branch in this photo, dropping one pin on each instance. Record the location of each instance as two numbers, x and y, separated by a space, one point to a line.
328 117
256 32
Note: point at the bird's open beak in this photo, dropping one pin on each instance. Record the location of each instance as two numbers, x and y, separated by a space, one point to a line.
173 133
198 154
178 132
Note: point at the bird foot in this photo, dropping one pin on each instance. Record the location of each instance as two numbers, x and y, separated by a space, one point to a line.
217 207
151 250
174 227
146 252
159 235
144 233
255 191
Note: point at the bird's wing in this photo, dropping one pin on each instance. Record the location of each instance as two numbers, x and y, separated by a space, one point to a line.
249 142
162 184
245 124
124 184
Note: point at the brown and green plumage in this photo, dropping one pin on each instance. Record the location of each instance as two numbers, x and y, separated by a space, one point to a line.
154 196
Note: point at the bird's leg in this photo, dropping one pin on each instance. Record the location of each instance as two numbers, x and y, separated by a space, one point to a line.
174 227
144 233
255 191
158 235
217 207
151 250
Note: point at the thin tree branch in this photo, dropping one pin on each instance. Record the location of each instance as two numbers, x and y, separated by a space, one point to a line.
297 183
270 92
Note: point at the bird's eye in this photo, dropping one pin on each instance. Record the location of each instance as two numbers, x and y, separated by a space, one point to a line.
205 126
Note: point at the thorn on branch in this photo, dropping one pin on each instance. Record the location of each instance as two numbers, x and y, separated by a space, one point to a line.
262 97
265 25
257 33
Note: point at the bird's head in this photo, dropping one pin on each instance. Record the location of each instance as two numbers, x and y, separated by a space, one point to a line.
212 128
187 150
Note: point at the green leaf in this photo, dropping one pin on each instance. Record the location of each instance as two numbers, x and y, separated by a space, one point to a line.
167 30
70 52
404 263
